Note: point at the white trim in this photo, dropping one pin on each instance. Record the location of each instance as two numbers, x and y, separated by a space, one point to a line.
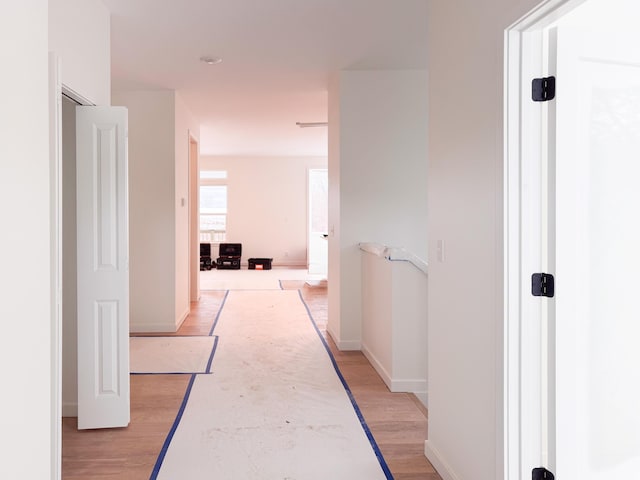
75 96
344 345
183 317
442 467
193 188
416 386
55 178
378 367
153 328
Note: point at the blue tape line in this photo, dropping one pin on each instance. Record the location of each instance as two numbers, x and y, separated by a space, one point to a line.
168 373
363 423
213 352
167 442
215 322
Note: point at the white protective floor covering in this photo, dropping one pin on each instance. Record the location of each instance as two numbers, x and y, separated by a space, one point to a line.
274 406
249 279
170 354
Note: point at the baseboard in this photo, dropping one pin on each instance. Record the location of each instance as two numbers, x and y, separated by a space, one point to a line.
408 385
69 409
344 345
152 328
278 264
416 386
423 397
441 466
377 366
183 317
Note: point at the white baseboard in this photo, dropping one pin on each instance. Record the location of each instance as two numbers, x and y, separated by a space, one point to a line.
415 386
344 345
423 397
441 466
69 409
152 328
377 366
182 318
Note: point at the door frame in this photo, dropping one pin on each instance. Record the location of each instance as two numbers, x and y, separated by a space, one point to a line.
55 181
56 89
194 217
525 435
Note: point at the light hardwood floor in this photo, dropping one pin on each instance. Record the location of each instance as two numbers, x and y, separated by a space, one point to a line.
397 421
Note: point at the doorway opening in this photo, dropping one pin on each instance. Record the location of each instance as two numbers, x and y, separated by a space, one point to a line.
69 261
318 224
570 179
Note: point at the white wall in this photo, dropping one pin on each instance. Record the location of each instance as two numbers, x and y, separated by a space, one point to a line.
382 175
377 313
267 205
185 123
25 300
79 33
394 322
465 211
152 208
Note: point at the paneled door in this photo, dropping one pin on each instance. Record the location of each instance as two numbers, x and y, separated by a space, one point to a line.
103 267
597 331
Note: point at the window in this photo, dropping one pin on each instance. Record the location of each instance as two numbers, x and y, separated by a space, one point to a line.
213 206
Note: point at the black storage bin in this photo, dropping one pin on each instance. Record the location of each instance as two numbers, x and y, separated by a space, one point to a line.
229 256
233 250
205 249
228 263
205 257
262 263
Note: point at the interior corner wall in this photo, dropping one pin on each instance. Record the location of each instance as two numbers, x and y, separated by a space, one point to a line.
382 179
267 205
26 306
185 125
79 33
466 212
152 209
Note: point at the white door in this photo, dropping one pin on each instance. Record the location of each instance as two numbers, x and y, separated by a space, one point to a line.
596 391
318 245
103 267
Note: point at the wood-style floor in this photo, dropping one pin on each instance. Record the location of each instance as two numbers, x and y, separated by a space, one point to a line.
397 421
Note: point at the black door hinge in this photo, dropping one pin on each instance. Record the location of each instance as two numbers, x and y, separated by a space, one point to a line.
542 285
541 474
543 89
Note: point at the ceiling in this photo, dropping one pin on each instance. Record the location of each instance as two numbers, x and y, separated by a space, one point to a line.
277 59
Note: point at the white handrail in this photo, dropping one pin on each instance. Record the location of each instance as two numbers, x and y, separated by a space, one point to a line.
394 254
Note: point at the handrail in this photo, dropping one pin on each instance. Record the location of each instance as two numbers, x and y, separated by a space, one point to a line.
394 254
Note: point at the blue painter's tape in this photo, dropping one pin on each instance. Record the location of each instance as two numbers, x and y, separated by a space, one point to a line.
174 427
365 427
215 322
213 352
164 373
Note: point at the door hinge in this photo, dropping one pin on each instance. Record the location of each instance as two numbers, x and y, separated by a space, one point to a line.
542 285
543 89
541 474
